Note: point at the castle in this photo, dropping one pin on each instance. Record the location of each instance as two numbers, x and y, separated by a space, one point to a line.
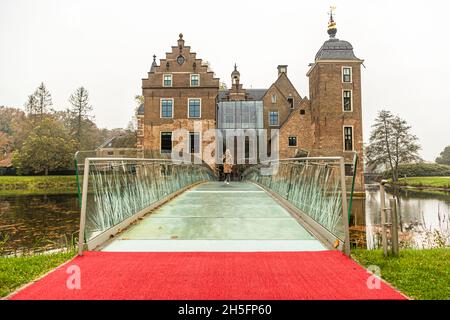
180 92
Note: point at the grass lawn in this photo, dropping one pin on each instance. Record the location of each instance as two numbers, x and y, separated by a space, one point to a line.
435 182
420 274
21 185
18 271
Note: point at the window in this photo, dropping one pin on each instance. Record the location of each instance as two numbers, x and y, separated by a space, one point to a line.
166 142
167 80
349 169
348 138
273 118
229 118
110 153
291 102
247 147
166 108
347 98
194 108
346 74
292 141
274 98
194 142
195 80
302 111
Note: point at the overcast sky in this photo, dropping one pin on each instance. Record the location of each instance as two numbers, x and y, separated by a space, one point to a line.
107 46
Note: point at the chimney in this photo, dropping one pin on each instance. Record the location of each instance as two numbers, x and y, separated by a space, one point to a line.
282 69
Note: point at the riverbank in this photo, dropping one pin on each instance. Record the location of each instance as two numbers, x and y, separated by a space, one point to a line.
37 185
419 274
434 183
15 272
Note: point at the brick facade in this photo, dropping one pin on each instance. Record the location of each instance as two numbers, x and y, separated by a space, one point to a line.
326 91
180 63
313 126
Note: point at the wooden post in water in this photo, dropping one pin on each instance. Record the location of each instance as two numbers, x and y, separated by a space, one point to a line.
394 227
383 218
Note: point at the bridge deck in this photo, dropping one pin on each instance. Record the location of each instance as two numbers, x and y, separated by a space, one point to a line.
218 217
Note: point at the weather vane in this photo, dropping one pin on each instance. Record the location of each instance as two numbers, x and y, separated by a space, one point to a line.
332 10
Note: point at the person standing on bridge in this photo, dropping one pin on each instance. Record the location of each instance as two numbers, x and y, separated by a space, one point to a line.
227 166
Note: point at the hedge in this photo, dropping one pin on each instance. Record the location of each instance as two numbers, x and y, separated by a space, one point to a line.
420 170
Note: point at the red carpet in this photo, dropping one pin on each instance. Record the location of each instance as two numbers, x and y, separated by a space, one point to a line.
211 275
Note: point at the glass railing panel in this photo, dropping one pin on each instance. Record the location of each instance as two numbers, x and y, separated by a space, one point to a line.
117 189
313 186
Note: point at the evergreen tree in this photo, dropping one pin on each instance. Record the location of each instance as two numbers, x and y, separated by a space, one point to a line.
43 100
79 111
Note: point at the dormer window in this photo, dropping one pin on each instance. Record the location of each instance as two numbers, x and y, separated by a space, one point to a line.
291 102
167 80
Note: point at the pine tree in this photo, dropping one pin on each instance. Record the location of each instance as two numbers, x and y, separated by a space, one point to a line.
43 100
79 111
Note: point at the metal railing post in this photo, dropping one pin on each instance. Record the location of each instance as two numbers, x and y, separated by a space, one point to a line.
383 217
394 227
344 208
83 207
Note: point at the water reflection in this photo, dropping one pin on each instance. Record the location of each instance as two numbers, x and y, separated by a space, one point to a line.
423 217
47 222
37 222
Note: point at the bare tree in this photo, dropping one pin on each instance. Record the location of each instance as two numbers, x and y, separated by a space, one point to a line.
391 143
79 111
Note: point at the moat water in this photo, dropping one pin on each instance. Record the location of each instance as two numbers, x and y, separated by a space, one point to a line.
39 223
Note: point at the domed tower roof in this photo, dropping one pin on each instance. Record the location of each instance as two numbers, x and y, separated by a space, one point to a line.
235 72
333 48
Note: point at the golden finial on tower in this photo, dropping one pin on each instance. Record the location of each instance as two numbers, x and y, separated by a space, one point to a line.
331 24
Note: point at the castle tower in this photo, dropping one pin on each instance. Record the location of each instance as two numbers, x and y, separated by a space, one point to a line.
237 92
335 94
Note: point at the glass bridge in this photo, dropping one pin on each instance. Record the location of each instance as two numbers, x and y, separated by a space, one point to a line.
137 204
